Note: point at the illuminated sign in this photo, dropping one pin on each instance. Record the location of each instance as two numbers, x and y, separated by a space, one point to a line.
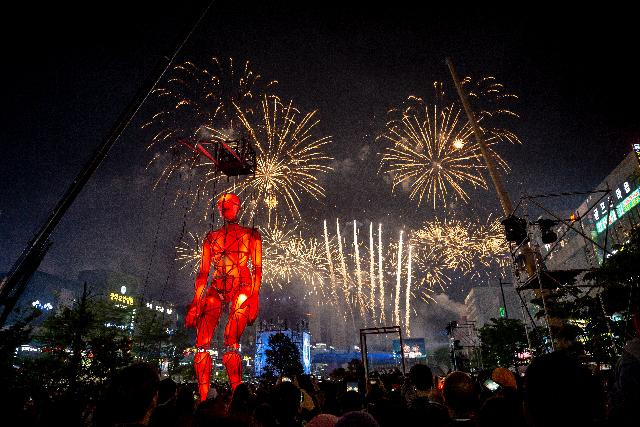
37 304
413 348
159 308
628 203
113 296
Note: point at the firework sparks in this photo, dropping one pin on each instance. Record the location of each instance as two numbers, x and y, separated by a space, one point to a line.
289 156
199 104
288 255
461 246
188 253
431 146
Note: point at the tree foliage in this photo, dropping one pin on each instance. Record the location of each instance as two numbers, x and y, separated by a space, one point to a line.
502 339
84 350
283 356
596 320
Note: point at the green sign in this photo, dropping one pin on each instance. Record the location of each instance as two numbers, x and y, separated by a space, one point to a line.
502 312
622 208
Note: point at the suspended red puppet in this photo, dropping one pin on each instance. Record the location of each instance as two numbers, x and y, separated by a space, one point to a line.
227 251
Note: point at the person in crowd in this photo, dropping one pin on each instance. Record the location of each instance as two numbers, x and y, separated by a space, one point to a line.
560 391
286 404
460 394
323 420
309 406
242 403
165 413
356 419
418 390
350 401
499 411
505 378
131 396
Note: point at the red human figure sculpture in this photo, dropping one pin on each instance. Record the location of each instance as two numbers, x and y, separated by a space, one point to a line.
226 252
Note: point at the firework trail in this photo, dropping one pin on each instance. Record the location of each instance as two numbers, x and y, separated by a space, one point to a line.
343 265
408 295
372 273
360 299
396 310
381 275
332 275
430 145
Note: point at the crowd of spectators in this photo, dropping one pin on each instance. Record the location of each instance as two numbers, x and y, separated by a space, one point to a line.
556 390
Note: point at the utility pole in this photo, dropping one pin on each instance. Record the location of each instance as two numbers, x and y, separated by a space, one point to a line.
13 285
505 201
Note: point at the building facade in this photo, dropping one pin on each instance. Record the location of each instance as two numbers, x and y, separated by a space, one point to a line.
606 217
485 302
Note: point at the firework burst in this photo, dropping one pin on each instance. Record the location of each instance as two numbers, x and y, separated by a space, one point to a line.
454 246
430 146
198 103
289 256
289 156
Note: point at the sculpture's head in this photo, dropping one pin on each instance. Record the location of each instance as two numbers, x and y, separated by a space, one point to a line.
229 207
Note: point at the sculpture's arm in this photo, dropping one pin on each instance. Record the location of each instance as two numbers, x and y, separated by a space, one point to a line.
255 247
200 285
195 308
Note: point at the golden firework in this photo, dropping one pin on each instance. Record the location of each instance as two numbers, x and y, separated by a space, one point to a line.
188 253
430 146
200 104
290 156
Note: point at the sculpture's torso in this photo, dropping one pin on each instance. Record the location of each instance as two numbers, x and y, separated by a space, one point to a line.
229 257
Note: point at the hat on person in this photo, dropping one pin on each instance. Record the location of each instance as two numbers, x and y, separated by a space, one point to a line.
504 377
323 420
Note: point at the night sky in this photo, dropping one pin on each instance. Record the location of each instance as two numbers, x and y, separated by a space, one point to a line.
70 71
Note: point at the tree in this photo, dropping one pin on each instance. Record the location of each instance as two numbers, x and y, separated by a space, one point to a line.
597 319
441 358
156 339
78 341
502 339
283 356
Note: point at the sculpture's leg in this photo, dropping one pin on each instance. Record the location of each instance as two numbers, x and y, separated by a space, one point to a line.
202 366
233 363
204 332
238 318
